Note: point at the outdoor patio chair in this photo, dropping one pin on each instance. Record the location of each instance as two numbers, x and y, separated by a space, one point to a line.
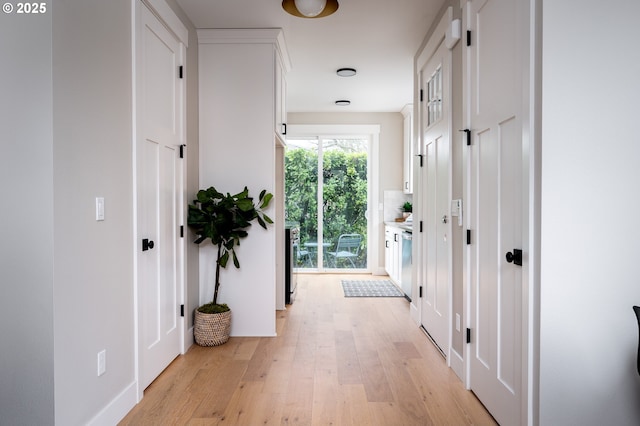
347 248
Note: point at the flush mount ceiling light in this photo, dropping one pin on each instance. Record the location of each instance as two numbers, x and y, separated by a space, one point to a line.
343 102
310 8
346 72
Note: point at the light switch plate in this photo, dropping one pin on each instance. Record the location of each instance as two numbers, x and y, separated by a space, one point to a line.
99 208
102 362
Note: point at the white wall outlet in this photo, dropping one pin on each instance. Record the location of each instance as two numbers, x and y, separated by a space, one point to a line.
457 322
99 208
102 362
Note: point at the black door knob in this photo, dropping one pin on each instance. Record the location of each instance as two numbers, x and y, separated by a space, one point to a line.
515 257
147 244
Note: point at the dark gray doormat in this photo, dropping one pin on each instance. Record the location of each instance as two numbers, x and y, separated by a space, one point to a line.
378 288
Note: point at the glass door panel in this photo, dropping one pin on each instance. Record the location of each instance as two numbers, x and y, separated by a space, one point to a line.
301 198
344 203
331 212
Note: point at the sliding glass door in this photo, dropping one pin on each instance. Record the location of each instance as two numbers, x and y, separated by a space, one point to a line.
326 185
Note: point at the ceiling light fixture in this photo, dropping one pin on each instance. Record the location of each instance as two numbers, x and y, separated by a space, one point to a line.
310 8
346 72
343 102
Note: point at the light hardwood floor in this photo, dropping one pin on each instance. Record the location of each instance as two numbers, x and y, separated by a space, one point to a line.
336 361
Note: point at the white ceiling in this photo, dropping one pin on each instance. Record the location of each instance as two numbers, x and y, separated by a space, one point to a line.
377 37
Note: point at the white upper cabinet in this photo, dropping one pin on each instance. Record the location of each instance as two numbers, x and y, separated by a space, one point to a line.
407 185
243 66
281 99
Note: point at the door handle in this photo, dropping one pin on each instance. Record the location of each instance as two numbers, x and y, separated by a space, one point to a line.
147 244
515 257
444 219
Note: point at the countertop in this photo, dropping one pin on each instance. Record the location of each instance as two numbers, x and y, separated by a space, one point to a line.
406 226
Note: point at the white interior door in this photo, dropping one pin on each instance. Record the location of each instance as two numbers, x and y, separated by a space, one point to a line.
158 181
497 193
436 176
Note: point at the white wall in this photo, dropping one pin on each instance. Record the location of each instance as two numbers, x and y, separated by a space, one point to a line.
590 203
93 271
67 279
26 218
390 153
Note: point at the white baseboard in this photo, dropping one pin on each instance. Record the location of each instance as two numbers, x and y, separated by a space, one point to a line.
457 364
188 340
379 271
415 314
117 409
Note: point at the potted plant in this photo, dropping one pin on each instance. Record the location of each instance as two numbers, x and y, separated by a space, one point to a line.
223 220
407 208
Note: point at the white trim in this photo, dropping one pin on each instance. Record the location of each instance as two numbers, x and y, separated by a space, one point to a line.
414 313
117 408
135 24
457 363
531 365
273 36
436 38
466 193
181 272
170 20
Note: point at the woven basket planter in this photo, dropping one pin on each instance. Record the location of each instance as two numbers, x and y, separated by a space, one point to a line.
212 329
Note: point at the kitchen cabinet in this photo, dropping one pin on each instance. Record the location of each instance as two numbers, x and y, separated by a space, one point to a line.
281 100
393 253
407 112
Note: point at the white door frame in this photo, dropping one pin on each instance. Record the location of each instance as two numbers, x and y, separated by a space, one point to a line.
171 21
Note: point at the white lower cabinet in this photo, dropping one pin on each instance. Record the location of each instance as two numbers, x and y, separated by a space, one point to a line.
393 253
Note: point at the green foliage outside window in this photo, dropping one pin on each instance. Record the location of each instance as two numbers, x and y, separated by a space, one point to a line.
344 195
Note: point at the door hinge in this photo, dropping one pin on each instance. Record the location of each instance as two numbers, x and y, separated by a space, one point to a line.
468 37
181 310
180 71
420 291
182 150
468 335
421 95
181 231
420 226
468 236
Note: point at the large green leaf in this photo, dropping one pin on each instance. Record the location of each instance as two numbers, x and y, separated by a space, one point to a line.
223 219
266 200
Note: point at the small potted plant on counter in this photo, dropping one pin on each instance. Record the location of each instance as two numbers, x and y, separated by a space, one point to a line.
407 209
223 220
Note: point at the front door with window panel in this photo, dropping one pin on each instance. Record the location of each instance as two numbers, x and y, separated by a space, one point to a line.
436 196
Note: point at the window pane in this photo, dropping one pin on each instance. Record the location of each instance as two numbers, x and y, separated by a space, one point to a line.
301 197
344 173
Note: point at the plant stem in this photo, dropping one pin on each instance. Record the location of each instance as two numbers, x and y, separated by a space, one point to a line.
215 291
